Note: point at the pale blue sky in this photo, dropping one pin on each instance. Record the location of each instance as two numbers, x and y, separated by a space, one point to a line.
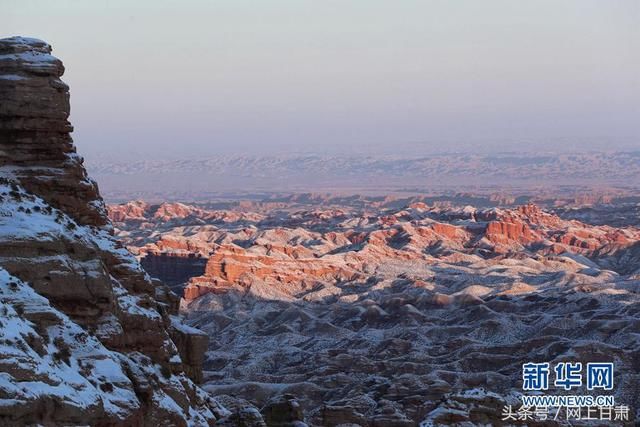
201 77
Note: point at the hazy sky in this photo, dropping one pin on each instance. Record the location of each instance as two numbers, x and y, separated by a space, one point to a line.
179 78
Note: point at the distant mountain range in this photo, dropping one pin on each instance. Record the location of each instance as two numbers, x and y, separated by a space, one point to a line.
199 178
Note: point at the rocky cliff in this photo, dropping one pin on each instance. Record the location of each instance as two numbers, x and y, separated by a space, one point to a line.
87 336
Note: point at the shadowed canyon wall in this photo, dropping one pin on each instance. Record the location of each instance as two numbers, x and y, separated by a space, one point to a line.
172 269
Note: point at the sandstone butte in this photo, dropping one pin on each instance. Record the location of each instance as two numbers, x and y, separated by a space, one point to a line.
86 336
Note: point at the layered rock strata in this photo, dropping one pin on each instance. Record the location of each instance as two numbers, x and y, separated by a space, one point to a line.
88 337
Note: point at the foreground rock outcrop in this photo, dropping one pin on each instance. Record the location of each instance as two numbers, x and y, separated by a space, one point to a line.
87 336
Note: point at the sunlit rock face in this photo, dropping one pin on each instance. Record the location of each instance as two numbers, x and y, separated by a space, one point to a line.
382 314
87 337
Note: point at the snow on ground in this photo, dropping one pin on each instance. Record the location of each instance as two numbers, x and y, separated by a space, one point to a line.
59 360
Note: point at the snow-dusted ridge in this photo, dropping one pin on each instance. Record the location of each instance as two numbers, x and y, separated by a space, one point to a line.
86 336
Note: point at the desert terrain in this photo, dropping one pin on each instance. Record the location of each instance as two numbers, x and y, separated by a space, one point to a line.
396 311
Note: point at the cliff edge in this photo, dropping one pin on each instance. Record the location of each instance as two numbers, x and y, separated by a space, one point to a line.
86 337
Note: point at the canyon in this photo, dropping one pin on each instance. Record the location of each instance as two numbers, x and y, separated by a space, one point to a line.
383 311
259 308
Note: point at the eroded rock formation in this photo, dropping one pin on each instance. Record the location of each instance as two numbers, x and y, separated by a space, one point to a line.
87 337
386 315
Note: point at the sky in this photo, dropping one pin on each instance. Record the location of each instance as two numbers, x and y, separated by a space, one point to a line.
163 79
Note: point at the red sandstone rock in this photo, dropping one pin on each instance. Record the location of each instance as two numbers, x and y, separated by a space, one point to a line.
344 299
502 232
